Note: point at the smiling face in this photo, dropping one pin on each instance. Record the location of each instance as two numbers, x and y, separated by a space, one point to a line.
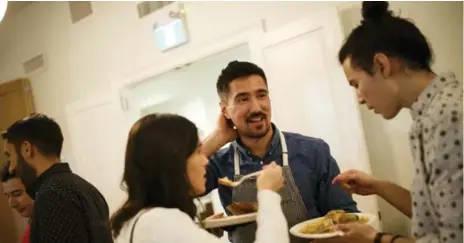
379 92
18 199
196 171
248 106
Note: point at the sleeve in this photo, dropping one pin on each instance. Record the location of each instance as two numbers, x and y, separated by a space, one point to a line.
332 196
212 174
445 175
57 219
272 227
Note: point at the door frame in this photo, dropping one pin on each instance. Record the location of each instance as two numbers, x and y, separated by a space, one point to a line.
351 135
173 60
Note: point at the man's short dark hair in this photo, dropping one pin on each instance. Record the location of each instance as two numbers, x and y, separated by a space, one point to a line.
5 173
38 129
235 70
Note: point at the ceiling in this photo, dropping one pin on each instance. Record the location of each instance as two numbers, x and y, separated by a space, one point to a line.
14 7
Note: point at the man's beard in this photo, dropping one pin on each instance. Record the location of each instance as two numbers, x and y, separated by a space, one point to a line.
27 174
263 130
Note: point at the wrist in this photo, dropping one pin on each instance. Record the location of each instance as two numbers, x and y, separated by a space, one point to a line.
219 137
379 187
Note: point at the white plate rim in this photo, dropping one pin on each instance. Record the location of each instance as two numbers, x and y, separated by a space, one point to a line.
296 228
230 220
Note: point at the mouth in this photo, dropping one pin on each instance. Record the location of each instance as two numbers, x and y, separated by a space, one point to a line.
256 119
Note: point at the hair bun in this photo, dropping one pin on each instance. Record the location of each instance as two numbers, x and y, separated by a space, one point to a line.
374 10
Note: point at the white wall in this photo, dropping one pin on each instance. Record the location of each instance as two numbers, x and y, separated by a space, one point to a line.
84 58
387 141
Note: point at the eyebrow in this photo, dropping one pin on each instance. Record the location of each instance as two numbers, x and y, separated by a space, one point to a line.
14 191
241 94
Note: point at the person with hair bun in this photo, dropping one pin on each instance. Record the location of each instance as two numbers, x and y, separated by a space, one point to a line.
388 61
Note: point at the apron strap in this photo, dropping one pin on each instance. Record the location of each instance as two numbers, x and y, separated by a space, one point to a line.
236 161
284 149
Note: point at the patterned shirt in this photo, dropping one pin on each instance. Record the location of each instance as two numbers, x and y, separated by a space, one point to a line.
313 169
436 141
68 209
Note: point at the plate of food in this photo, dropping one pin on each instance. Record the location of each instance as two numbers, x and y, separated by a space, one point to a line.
242 213
322 228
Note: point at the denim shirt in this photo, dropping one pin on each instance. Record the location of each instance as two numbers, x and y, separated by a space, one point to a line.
312 166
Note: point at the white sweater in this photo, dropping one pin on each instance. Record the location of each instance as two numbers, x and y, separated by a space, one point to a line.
163 225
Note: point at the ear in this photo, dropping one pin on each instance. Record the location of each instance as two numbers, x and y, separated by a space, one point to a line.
382 65
224 109
26 149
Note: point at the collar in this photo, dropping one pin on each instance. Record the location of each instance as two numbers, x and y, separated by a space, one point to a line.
275 141
55 169
426 97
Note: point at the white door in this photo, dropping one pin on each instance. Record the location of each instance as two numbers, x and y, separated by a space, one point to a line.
98 132
309 92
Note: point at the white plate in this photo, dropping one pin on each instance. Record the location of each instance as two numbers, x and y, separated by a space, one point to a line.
295 230
229 220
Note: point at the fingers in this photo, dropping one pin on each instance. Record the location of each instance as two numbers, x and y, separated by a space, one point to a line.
216 216
271 165
330 240
345 228
346 177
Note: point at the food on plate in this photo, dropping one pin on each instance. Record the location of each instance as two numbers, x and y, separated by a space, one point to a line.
239 208
324 225
225 181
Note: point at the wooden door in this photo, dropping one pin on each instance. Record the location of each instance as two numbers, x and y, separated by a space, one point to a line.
15 103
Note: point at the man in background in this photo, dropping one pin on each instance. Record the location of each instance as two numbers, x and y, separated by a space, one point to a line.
67 208
14 190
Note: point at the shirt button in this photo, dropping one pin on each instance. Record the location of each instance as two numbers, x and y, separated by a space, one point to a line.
261 162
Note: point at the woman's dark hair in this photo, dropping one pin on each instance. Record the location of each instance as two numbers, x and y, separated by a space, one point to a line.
155 171
381 32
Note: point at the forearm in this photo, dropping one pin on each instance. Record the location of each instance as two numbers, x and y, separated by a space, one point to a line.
388 239
212 143
397 196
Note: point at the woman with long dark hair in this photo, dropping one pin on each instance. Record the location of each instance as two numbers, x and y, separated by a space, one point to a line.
164 171
388 61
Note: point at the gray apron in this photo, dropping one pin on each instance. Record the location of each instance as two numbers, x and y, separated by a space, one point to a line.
292 204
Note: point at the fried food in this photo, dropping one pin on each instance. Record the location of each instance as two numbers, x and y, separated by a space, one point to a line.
336 217
239 208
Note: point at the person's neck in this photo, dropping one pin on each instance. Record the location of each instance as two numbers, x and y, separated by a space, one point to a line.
258 146
45 164
412 86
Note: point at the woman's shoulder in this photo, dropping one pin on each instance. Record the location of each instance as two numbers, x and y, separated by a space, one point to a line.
153 223
165 215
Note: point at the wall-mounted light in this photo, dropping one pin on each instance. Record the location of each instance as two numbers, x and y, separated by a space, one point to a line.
3 6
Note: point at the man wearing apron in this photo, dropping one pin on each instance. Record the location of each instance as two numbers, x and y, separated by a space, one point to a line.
292 203
307 164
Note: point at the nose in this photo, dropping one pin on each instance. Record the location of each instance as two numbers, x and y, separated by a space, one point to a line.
13 202
255 105
360 98
205 161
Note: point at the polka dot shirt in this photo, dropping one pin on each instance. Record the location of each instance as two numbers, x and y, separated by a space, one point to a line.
436 144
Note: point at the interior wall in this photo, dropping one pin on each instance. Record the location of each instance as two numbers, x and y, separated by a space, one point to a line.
387 141
84 58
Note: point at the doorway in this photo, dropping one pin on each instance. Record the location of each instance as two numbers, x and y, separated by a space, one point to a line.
15 103
189 91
